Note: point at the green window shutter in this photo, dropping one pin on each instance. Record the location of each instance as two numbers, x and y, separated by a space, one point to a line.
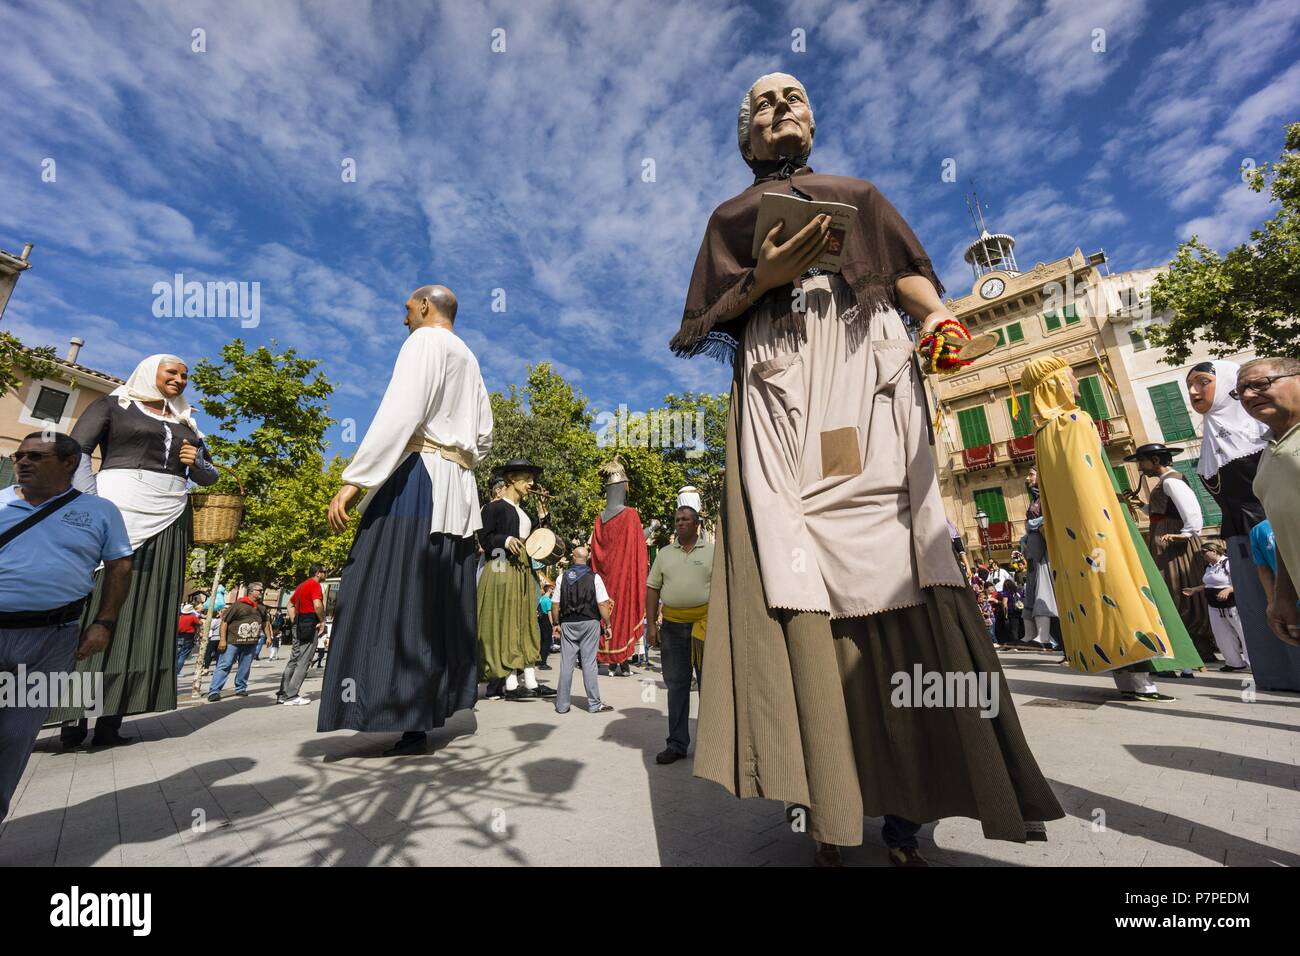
1139 341
1171 412
974 427
1091 398
1001 339
1052 320
6 471
1015 333
1209 507
1122 480
991 502
1071 315
1022 426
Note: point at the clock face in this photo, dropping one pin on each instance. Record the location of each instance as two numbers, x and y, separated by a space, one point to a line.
992 288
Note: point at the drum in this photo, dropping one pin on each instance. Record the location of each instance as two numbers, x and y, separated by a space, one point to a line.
543 546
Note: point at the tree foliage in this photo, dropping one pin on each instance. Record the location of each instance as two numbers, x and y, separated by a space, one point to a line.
17 361
550 422
269 401
270 420
1248 298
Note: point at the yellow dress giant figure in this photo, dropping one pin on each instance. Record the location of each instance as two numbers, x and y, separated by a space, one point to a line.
1109 617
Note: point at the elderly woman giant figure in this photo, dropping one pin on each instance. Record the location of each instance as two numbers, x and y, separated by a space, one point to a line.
834 578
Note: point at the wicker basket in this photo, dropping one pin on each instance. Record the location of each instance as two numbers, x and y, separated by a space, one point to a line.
217 517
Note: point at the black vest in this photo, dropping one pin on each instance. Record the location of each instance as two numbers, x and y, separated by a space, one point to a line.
578 599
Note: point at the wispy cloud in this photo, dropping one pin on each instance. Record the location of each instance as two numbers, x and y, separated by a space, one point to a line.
572 171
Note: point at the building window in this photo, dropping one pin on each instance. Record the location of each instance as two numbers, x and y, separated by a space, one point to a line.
1052 320
1171 412
991 502
1015 333
1022 426
1071 314
974 427
1139 340
1001 338
1092 399
1209 507
50 404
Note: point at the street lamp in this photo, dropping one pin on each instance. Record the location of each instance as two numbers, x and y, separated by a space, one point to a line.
982 521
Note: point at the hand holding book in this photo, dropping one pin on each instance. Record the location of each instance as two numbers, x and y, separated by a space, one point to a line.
780 264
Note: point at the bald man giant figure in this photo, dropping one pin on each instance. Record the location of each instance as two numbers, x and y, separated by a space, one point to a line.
404 645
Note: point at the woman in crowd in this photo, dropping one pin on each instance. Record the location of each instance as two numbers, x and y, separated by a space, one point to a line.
1231 445
150 448
1040 598
1224 619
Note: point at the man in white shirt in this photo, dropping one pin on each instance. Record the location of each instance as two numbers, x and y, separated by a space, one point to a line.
580 605
403 652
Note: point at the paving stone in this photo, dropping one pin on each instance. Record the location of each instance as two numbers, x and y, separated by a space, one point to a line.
1210 780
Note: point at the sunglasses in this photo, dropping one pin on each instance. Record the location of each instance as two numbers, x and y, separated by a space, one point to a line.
33 455
1259 385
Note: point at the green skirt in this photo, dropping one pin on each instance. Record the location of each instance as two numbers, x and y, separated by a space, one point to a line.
509 638
139 664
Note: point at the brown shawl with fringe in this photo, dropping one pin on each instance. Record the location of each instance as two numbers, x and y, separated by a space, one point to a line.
877 253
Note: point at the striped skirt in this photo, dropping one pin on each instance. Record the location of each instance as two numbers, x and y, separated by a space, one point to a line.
402 651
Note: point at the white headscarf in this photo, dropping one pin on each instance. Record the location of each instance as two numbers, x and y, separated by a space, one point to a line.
1228 432
142 386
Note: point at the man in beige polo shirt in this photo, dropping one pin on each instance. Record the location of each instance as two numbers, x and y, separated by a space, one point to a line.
679 579
1269 390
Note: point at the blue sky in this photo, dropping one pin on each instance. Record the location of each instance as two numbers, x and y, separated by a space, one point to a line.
522 170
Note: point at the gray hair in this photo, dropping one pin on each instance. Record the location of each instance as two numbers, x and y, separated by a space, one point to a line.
1283 364
744 116
440 297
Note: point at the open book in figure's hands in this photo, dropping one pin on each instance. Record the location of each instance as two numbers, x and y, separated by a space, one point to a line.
796 213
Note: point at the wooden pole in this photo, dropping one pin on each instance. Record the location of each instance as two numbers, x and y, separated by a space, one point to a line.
200 672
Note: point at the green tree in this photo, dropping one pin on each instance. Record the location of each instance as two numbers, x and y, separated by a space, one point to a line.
270 417
272 403
547 421
286 529
18 362
1249 298
703 460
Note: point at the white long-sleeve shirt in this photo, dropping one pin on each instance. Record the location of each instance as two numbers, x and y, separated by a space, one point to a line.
1184 499
436 392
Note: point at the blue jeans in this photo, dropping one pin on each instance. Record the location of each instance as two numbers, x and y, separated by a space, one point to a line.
46 650
184 645
244 654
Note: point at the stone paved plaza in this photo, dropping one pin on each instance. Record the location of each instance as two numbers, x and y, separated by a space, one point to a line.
1208 780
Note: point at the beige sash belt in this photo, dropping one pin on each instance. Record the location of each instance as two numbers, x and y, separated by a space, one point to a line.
458 455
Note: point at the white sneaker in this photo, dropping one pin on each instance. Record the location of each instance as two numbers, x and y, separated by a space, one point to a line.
297 701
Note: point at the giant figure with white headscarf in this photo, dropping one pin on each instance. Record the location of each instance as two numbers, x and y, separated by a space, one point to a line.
1231 445
150 448
833 570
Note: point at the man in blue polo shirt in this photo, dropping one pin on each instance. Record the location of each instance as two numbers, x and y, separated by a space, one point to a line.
46 572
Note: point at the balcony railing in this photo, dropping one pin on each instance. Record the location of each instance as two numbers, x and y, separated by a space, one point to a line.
1111 430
